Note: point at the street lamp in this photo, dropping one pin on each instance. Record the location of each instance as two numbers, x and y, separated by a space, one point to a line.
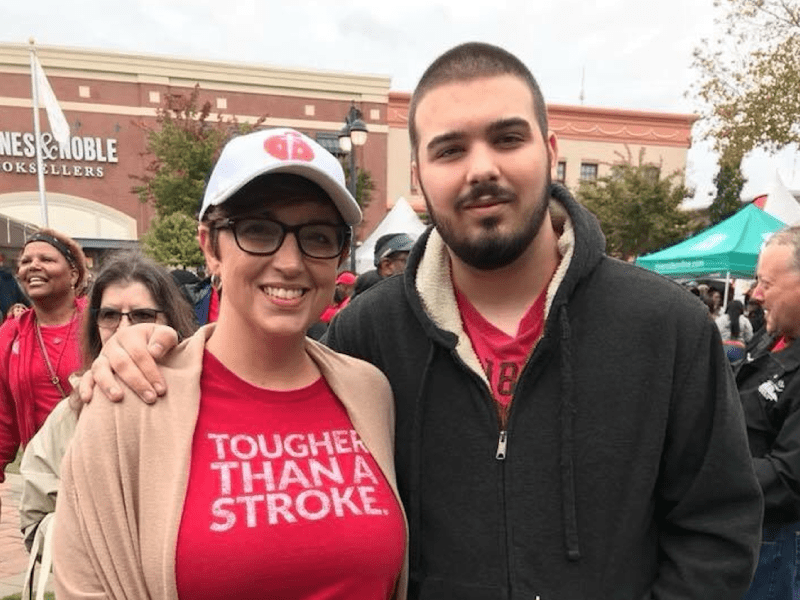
354 133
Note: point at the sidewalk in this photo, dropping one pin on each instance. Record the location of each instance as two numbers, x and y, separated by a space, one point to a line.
13 556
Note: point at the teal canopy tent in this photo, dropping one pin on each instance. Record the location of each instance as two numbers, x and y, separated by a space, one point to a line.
728 249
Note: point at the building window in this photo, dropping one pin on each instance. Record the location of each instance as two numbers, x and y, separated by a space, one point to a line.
651 173
222 103
588 171
155 97
561 171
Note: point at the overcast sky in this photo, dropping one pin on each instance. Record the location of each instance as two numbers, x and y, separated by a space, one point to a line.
635 55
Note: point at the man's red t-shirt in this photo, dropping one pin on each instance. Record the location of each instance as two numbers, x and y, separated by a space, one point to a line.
284 501
501 355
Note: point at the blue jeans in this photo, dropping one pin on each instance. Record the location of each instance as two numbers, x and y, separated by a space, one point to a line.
777 574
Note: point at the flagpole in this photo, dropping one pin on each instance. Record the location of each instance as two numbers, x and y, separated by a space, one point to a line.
38 135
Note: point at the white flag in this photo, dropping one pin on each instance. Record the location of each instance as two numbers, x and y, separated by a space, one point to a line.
58 122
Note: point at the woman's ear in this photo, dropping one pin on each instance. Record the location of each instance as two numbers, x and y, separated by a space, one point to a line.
204 238
347 247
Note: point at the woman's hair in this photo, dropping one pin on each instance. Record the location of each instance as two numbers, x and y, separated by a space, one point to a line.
128 266
68 248
734 310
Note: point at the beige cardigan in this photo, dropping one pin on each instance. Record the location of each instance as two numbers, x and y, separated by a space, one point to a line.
125 475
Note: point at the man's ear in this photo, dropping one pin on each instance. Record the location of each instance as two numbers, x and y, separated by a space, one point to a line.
415 175
552 151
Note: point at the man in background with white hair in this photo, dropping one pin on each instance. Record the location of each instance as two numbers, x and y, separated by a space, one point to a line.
769 386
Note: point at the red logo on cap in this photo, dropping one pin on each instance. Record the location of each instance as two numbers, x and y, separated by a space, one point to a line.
289 145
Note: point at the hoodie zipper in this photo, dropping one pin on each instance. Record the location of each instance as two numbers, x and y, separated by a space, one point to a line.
502 443
500 456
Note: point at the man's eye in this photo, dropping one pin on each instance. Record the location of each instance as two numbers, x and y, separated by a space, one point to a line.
510 139
448 152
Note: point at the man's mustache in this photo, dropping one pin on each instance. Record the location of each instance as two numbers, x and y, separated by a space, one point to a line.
478 193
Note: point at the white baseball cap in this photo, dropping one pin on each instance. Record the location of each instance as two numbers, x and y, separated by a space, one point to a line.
282 150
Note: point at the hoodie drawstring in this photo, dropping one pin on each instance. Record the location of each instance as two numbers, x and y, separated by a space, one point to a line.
415 482
568 442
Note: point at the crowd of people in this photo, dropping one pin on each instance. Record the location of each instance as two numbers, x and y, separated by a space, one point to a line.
506 412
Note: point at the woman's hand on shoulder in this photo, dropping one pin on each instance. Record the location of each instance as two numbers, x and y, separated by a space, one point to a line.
130 356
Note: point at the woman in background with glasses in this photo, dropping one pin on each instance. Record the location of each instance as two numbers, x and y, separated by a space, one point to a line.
129 289
267 468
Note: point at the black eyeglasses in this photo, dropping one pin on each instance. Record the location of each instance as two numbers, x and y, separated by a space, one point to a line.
109 318
262 236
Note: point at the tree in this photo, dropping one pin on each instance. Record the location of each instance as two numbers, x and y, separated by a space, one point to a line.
638 209
172 240
749 84
729 182
184 145
364 185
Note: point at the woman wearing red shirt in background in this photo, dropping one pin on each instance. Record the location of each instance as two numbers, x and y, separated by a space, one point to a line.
267 469
41 348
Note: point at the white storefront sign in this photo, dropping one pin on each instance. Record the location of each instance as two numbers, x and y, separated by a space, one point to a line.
93 153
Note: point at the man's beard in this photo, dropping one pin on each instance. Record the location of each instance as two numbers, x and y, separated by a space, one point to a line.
492 250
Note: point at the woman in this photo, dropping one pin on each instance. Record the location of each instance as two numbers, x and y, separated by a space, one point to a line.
736 331
129 289
40 349
270 455
733 325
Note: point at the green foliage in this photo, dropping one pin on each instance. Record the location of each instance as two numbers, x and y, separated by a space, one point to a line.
638 210
749 83
183 146
364 185
172 240
729 182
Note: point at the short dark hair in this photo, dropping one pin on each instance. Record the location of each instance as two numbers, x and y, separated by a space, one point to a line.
275 187
130 266
470 61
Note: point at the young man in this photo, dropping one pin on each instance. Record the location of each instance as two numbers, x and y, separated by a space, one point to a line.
769 385
567 424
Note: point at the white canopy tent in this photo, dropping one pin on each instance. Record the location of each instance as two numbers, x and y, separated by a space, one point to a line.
780 203
401 219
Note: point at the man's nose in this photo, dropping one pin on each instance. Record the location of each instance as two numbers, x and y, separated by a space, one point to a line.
482 164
